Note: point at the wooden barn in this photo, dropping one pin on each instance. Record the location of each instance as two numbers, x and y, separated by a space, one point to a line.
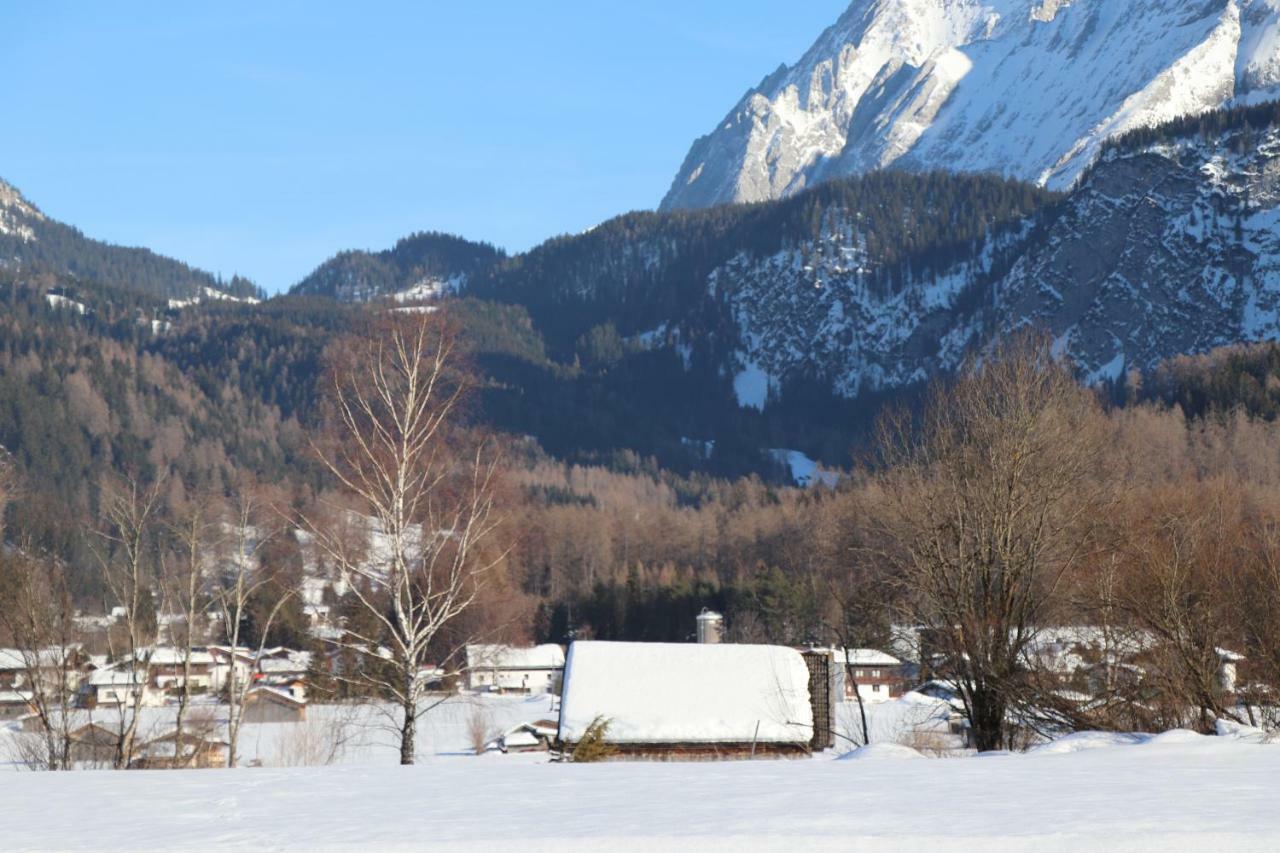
676 701
94 744
191 750
272 705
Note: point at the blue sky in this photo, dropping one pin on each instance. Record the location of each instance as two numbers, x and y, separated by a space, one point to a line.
262 137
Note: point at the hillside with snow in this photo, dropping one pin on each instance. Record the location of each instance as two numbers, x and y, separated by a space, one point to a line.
1026 88
421 267
1167 246
31 242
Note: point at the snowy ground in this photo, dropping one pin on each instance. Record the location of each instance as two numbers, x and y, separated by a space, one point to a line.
1176 792
364 734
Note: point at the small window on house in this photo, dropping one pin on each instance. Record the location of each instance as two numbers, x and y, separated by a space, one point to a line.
875 688
859 674
875 673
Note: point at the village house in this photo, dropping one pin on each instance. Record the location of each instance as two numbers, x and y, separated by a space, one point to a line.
120 685
510 669
166 668
682 701
15 704
284 669
46 667
13 668
226 661
874 675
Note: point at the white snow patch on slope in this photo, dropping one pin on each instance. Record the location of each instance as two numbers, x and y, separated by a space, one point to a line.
804 471
58 301
430 288
751 387
209 294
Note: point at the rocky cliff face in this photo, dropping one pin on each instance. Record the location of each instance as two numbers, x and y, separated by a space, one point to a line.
1163 249
1166 250
17 215
1027 88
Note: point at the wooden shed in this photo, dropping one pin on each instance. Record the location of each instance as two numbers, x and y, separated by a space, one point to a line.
269 705
191 750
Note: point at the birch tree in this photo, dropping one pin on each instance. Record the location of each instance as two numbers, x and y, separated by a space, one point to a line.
396 397
124 551
185 588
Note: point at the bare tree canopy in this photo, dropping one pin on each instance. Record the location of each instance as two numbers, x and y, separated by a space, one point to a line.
425 494
989 503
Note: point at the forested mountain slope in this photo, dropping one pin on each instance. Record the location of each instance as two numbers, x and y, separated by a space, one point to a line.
32 241
653 328
422 265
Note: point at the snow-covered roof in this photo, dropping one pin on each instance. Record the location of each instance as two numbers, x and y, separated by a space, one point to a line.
654 693
547 656
170 656
224 653
51 656
15 697
278 695
865 657
105 677
519 737
295 662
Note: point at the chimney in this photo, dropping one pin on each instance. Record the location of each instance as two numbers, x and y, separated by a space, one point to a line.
710 626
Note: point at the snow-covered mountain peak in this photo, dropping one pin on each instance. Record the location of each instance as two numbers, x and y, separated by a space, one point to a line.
1029 88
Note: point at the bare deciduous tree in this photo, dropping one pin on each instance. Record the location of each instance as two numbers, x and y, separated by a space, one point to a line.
238 581
36 613
185 588
988 506
1256 595
9 486
124 549
1180 551
396 397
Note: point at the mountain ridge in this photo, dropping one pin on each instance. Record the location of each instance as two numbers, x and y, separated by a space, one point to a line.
32 240
1026 88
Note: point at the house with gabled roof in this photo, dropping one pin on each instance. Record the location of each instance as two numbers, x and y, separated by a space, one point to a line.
512 669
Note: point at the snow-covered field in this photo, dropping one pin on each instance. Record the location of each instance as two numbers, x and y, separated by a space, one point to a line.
340 735
1174 792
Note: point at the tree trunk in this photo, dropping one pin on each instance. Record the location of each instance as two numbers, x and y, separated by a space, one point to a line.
862 708
233 716
987 721
409 732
